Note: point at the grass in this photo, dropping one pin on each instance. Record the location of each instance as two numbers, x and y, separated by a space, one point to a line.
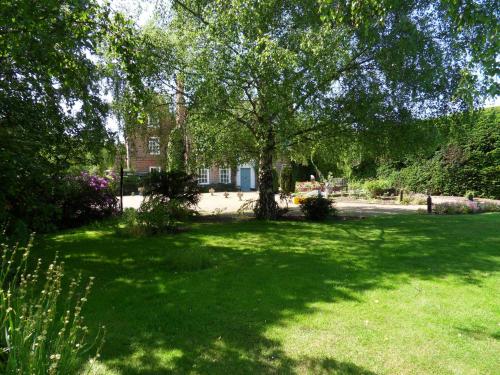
401 294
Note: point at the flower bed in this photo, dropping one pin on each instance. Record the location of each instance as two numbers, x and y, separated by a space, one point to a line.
306 186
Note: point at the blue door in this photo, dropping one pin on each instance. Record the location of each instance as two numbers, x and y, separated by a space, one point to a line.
245 179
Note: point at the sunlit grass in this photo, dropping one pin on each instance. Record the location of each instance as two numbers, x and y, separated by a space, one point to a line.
404 294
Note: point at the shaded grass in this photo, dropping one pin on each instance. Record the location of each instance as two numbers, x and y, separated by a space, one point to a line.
405 294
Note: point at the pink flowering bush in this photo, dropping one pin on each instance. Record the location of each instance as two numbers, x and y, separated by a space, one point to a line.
87 198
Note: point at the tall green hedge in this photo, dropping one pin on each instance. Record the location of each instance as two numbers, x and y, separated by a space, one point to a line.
470 161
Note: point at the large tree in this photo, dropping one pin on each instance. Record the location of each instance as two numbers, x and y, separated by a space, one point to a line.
52 114
291 73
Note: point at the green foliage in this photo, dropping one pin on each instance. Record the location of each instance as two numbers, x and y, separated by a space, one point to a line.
86 198
156 216
173 185
376 188
52 115
453 208
489 207
278 77
468 207
470 160
131 184
176 150
287 183
317 208
43 330
276 180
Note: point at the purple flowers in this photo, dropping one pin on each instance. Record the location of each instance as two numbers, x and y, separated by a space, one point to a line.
97 182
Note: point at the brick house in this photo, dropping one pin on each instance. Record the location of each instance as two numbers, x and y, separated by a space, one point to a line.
146 150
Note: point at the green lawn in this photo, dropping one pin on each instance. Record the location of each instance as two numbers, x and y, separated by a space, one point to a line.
388 295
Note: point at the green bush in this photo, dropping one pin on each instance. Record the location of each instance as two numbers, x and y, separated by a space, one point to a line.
43 331
177 186
468 207
317 208
155 216
129 226
287 182
467 161
489 207
375 188
131 184
454 208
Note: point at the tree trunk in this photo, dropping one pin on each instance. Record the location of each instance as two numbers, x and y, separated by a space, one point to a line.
266 208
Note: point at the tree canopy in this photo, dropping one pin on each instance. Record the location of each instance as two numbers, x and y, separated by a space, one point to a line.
285 76
52 114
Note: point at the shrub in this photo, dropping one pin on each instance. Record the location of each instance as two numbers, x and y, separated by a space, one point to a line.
287 183
128 225
156 216
468 160
376 188
411 198
489 207
86 198
43 331
131 184
452 208
298 199
467 207
316 208
174 185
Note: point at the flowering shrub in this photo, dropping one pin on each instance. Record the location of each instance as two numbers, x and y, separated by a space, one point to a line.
43 330
87 198
467 207
306 186
298 199
451 208
317 208
489 207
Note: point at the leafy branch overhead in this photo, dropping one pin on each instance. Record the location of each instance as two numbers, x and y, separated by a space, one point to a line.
299 72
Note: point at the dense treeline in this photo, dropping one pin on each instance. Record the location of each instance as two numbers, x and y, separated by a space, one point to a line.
468 159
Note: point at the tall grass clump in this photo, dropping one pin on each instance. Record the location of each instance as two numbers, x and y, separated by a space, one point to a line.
42 330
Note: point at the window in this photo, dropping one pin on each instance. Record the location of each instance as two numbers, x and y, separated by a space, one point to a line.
225 175
203 174
154 169
153 121
154 146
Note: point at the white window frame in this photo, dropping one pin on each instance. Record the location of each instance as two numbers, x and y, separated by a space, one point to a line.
203 180
156 149
227 171
153 121
151 169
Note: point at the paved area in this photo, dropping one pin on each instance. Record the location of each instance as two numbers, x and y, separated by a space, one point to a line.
218 204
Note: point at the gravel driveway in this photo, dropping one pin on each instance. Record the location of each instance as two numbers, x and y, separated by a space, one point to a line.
219 204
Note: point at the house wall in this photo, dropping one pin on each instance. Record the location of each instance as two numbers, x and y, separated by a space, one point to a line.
140 160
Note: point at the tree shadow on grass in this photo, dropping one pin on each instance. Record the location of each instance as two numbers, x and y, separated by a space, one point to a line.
214 321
